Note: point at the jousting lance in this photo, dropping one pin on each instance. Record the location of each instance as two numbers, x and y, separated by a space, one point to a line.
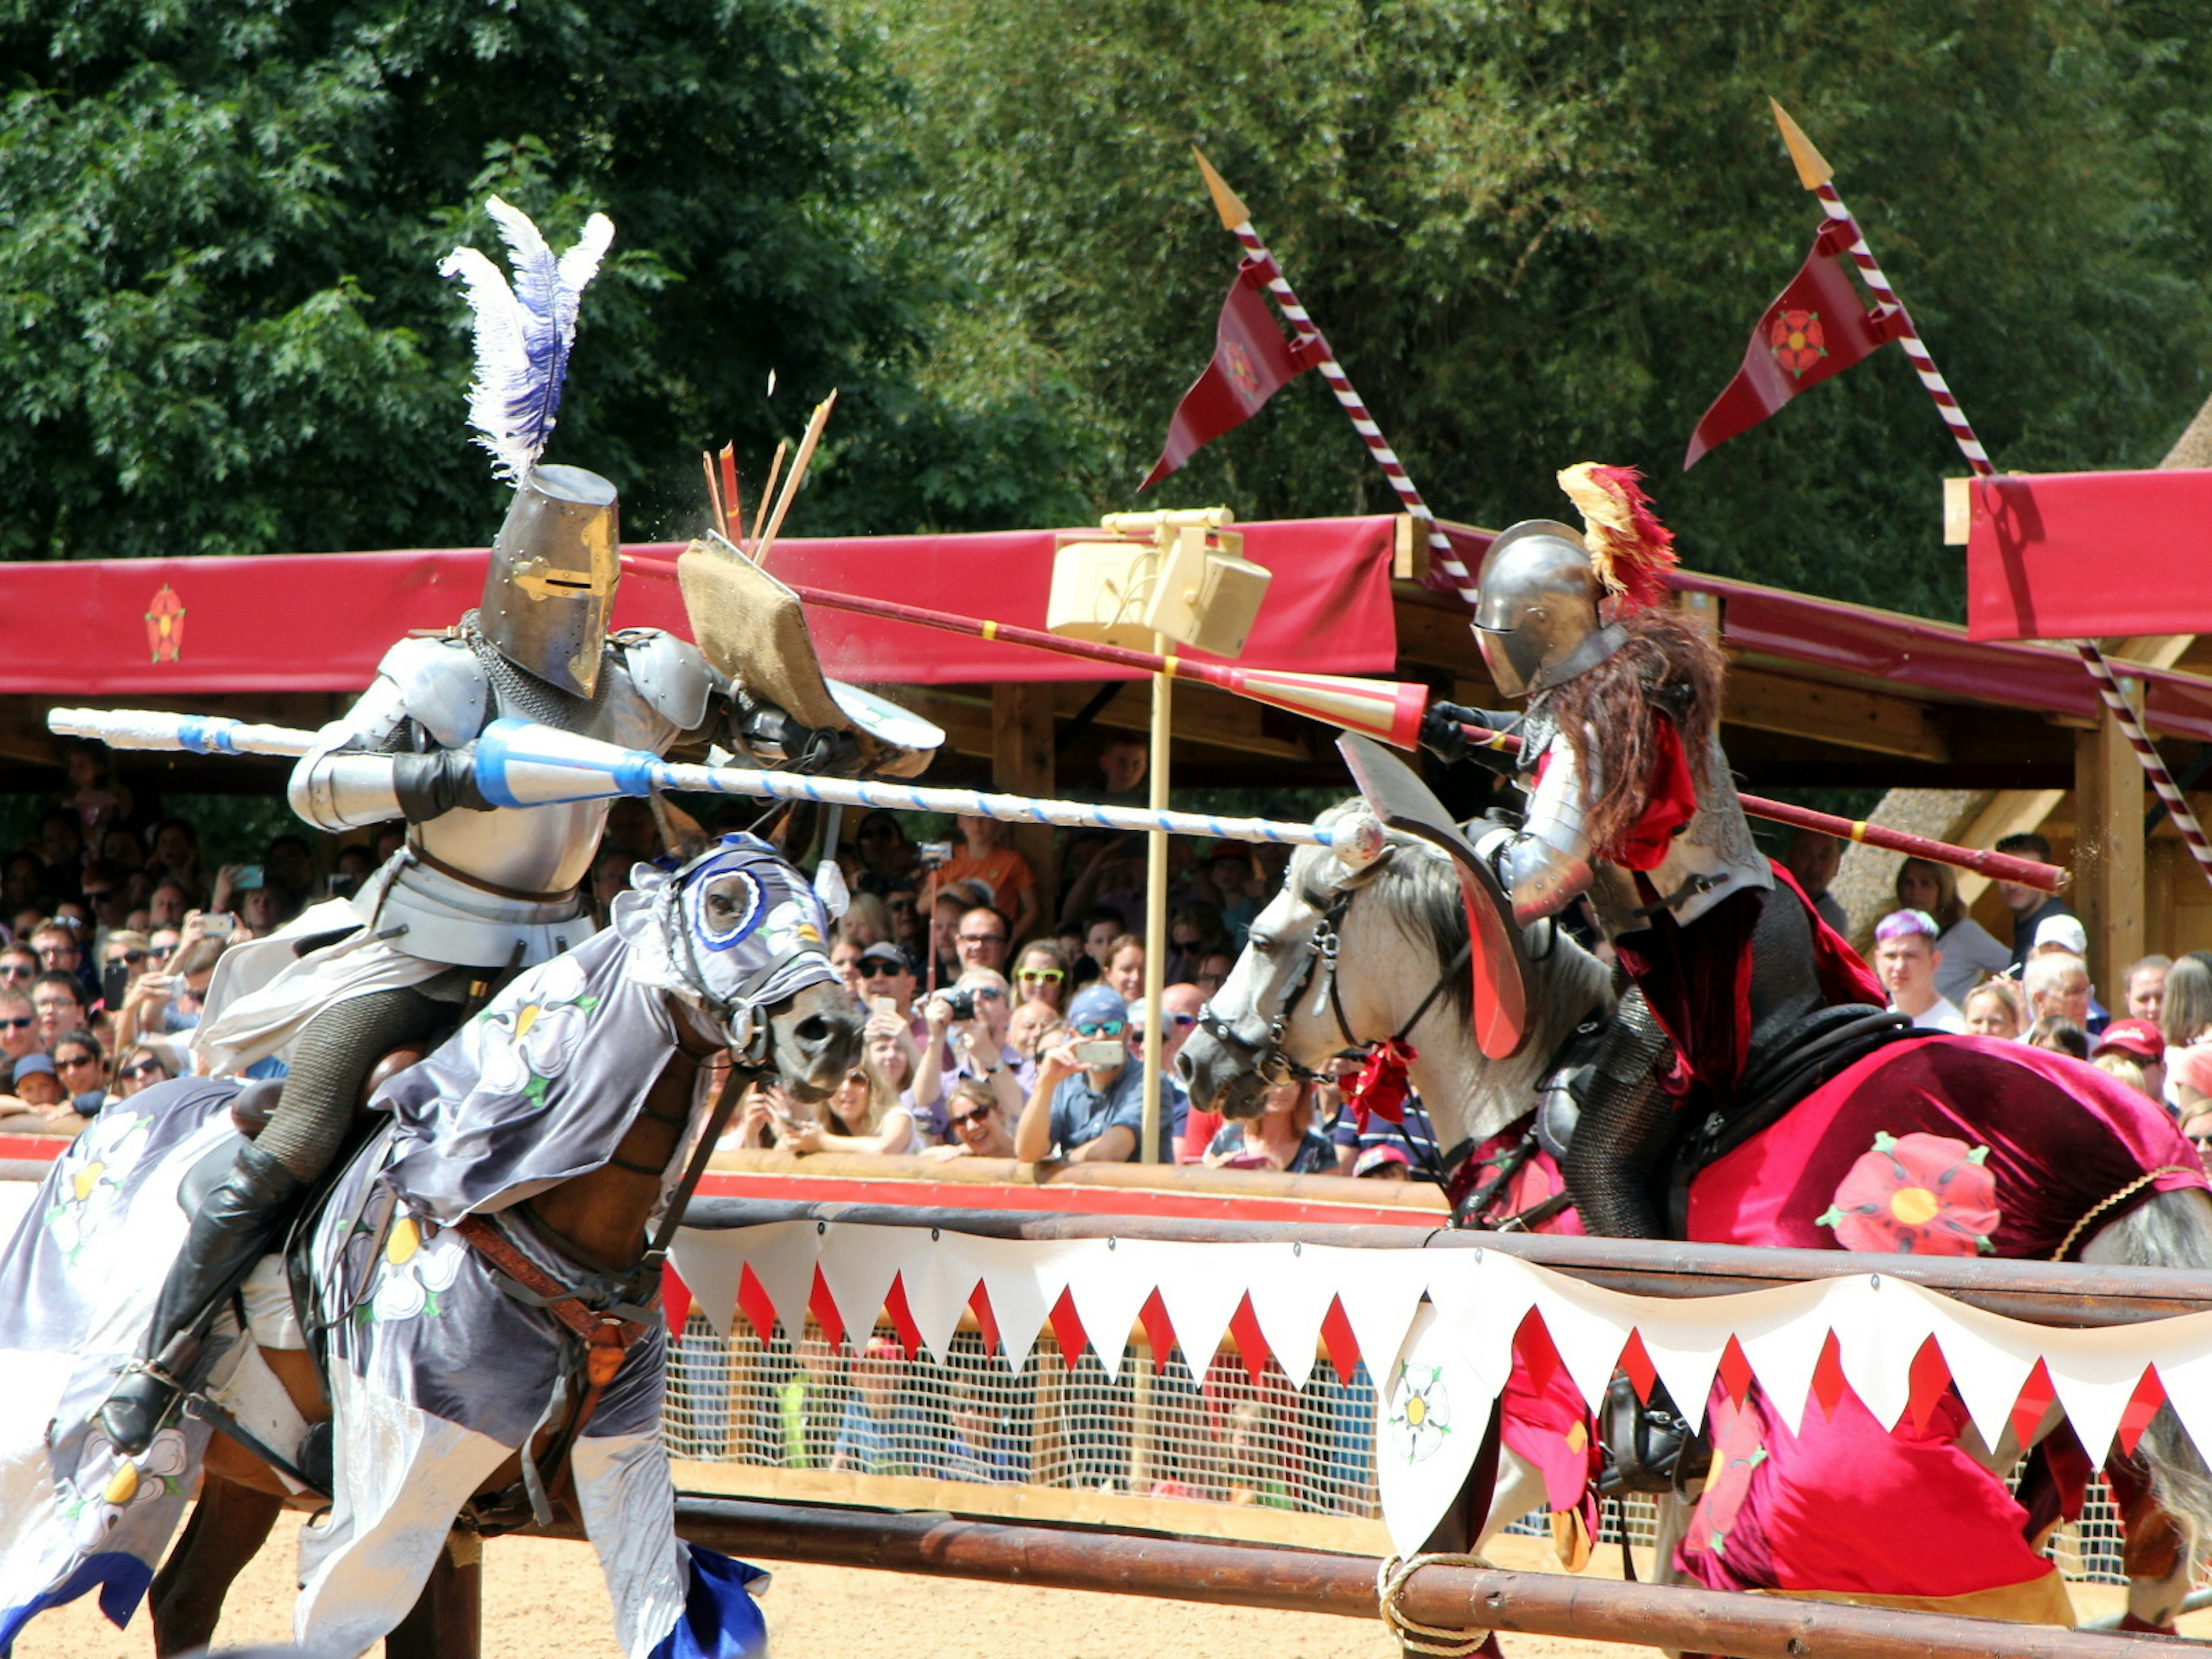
1390 711
520 763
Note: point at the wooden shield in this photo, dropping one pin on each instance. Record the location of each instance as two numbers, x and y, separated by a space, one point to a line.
1497 956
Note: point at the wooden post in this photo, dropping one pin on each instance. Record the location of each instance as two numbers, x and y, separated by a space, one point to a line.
447 1621
2108 852
1022 764
1156 913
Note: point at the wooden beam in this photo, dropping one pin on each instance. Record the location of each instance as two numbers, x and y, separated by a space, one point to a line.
2010 812
2108 851
1434 631
1203 715
1022 764
1873 720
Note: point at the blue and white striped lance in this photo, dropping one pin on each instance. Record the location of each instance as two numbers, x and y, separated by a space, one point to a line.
520 763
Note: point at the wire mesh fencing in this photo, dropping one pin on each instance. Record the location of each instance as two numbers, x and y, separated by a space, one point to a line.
1148 1430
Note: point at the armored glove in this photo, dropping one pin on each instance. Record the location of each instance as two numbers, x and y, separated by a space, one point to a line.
430 785
1443 734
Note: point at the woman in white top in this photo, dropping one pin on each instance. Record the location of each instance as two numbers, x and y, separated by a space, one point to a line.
873 1111
1970 951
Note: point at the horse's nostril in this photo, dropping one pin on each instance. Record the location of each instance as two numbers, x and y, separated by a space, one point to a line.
1184 1069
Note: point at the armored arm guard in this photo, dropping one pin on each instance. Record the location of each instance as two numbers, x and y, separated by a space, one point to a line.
1546 867
365 768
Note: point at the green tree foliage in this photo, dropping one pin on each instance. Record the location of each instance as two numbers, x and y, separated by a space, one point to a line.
1539 233
220 327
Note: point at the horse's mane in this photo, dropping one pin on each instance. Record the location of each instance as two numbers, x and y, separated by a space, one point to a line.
1418 885
1420 892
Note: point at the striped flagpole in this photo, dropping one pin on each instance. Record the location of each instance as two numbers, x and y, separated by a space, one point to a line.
1817 176
1236 220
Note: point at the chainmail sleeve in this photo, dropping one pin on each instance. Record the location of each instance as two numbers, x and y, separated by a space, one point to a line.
1627 1125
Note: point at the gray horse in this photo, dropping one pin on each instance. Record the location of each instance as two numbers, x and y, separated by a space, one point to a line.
1343 957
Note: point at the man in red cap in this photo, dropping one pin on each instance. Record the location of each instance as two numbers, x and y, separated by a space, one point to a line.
2139 1041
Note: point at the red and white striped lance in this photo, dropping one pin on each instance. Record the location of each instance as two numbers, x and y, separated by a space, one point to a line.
1817 176
1237 222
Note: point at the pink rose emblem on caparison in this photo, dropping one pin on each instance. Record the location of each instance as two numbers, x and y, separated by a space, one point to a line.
1917 1194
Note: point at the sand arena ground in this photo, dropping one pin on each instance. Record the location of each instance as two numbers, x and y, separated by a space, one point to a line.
543 1599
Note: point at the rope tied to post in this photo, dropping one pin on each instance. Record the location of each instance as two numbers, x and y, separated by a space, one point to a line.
1445 1642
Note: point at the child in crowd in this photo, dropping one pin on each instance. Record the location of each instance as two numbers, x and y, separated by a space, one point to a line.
1003 875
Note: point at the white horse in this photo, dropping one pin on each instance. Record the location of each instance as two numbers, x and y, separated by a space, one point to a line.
1343 957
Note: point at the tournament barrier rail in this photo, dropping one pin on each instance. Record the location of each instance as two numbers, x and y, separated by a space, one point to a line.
1442 1595
1147 1452
1161 1551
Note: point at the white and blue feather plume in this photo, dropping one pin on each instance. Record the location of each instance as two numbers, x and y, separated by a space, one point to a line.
524 332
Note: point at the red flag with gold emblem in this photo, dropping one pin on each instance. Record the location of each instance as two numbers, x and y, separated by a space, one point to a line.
1252 361
1816 327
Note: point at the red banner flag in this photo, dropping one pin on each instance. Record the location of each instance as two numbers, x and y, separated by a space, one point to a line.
1252 361
1816 327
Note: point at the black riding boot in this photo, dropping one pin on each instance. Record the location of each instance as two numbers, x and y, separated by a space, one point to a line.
231 1232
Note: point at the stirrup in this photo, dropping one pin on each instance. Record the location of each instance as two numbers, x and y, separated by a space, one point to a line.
148 1396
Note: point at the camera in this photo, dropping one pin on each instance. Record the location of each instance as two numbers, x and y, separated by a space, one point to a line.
962 1003
933 853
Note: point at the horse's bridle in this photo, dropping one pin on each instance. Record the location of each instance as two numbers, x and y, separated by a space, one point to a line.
1264 1055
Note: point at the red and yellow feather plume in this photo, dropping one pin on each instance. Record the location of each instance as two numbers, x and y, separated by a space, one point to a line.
1630 551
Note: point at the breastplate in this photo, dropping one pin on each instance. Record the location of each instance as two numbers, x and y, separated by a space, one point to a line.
539 855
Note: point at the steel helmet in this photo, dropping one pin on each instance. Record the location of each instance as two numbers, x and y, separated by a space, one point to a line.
1536 613
550 589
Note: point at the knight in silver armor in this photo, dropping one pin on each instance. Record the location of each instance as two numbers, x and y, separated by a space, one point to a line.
478 891
1630 801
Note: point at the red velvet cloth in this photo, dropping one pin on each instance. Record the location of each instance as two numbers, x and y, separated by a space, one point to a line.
1844 1507
2063 1138
1697 979
2063 553
1670 801
322 622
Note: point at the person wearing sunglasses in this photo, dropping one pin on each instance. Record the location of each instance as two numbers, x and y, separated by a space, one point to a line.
1088 1103
82 1070
19 1025
970 1044
140 1068
19 966
886 970
1041 975
978 1124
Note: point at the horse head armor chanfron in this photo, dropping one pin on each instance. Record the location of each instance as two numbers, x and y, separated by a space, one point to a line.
1245 1044
732 932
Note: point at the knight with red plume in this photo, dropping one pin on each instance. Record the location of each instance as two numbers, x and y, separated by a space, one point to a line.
1735 984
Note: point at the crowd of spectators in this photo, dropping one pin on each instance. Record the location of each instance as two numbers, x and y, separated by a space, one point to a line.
113 922
1949 974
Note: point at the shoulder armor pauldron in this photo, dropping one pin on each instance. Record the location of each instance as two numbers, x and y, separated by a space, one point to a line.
670 674
442 686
